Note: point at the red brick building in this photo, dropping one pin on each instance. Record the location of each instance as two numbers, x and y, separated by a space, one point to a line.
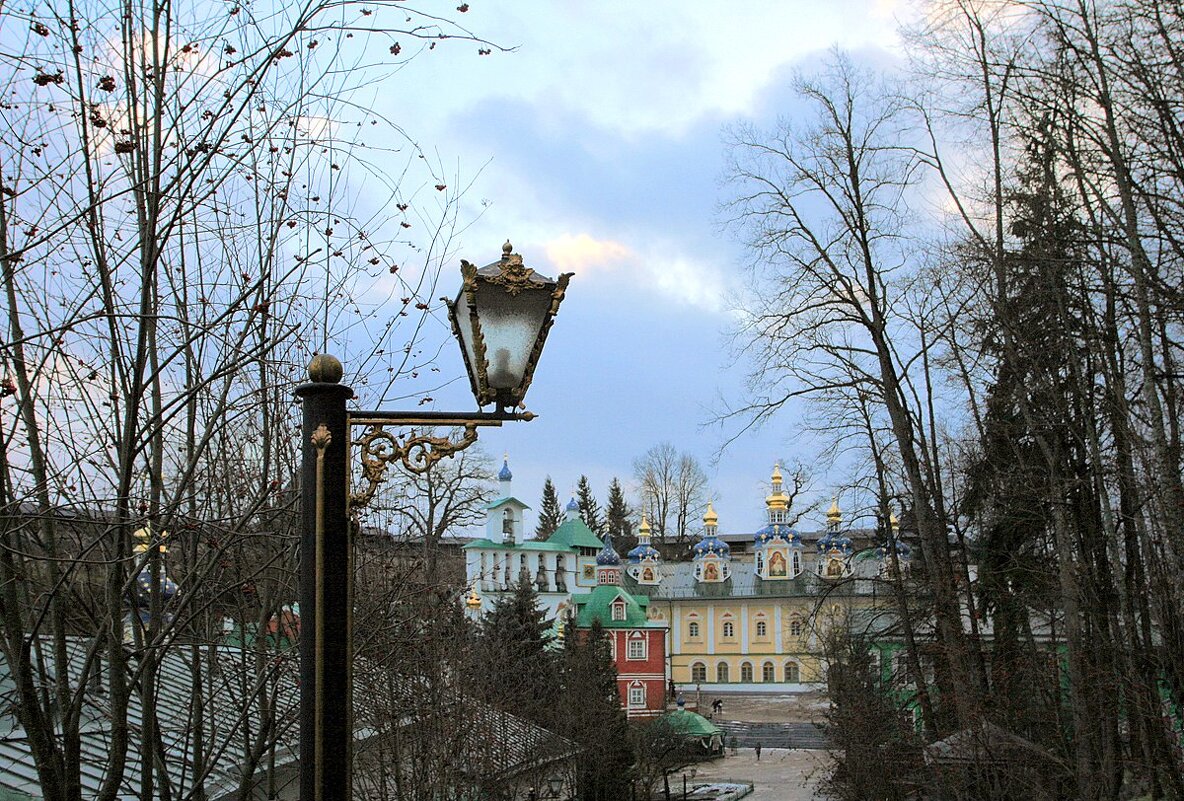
638 644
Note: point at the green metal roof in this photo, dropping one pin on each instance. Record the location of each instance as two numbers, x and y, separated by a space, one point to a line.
504 501
597 605
691 724
575 534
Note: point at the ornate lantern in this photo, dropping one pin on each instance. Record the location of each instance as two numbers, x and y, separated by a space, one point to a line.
501 317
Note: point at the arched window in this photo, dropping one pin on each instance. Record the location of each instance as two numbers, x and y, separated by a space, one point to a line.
692 629
795 627
698 673
793 673
797 563
729 629
767 673
762 629
746 671
721 672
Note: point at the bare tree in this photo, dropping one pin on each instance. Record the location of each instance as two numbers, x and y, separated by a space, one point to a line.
824 211
421 509
672 490
180 227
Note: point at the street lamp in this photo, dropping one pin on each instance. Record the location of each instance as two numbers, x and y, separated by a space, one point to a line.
501 317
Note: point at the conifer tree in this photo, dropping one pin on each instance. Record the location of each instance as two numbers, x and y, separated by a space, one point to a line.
596 720
617 522
550 515
589 508
515 635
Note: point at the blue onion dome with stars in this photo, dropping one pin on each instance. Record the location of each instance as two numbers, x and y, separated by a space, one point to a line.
643 550
777 508
504 474
168 588
711 544
608 554
572 506
142 590
834 539
903 550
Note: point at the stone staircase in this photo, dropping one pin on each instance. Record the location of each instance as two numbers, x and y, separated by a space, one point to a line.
772 735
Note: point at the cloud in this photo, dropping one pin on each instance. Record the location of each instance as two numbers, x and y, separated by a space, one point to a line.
581 253
652 267
640 69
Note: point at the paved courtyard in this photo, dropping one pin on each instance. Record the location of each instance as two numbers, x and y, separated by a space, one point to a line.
780 775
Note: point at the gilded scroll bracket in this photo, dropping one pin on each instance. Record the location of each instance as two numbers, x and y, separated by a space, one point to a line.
415 450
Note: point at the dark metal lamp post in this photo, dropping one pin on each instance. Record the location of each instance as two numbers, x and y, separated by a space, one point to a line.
501 316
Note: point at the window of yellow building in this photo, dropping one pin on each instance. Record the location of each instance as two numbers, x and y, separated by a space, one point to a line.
767 672
698 673
746 672
721 672
793 673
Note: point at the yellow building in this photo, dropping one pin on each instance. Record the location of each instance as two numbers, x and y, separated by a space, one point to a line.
758 617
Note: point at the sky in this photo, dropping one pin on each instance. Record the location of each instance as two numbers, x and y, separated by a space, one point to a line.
596 146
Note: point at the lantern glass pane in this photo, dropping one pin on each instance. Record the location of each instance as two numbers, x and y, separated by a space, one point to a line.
510 325
461 311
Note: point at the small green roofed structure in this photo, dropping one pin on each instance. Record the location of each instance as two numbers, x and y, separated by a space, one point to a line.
695 727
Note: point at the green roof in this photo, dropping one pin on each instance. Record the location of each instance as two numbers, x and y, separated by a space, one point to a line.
15 795
529 545
575 534
503 501
690 724
597 605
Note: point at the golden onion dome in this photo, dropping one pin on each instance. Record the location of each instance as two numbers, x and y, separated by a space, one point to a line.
473 601
710 518
777 500
143 538
833 514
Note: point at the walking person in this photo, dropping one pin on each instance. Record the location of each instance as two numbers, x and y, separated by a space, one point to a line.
758 752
